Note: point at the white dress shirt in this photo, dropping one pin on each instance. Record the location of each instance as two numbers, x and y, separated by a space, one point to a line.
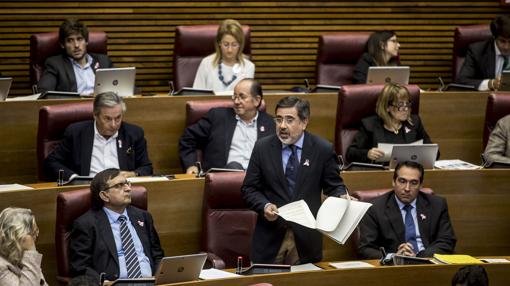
243 141
104 153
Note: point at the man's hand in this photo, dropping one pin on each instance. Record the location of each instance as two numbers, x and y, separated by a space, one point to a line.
348 197
374 154
271 212
495 84
192 170
406 249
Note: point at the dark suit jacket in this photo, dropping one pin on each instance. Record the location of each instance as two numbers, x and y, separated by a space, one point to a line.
92 247
479 64
59 75
213 135
360 72
372 132
74 152
382 226
265 183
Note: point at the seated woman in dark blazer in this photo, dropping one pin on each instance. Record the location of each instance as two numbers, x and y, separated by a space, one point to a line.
382 50
393 124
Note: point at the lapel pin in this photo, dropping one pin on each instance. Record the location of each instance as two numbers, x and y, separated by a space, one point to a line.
140 223
423 217
129 151
407 129
306 163
120 144
262 129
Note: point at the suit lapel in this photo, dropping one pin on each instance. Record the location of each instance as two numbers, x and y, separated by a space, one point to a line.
87 144
71 78
138 224
422 215
276 160
304 171
231 123
122 147
394 216
262 127
490 60
107 234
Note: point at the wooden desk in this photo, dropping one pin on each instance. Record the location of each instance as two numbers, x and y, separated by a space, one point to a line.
453 120
479 204
415 275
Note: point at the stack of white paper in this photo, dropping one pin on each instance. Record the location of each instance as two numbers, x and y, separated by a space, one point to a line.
350 264
213 273
14 187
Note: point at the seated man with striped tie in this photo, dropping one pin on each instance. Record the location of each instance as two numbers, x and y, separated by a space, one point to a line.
114 237
486 60
406 221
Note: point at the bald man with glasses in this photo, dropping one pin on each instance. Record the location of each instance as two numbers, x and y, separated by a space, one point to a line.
406 221
114 237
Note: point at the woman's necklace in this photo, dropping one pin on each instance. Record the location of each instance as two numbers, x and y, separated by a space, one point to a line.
222 78
394 129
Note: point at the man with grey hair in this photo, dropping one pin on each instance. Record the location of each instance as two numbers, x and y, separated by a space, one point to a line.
106 142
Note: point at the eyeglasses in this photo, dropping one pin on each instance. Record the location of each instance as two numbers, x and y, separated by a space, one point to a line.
240 97
289 120
413 184
119 186
402 105
226 45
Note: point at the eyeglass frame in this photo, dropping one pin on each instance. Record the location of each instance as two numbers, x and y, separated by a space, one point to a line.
403 182
403 105
118 186
289 120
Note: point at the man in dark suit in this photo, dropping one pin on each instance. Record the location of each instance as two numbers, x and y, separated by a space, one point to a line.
486 60
74 69
406 221
114 237
226 136
288 166
106 142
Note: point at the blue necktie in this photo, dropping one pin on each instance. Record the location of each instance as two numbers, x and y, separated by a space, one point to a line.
410 228
132 263
291 170
506 63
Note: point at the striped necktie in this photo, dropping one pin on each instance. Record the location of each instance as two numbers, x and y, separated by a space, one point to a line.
291 170
132 263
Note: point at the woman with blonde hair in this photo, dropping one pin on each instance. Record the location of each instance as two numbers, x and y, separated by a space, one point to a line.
393 123
222 70
20 263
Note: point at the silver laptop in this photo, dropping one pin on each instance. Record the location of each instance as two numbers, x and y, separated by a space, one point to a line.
183 268
382 75
118 80
425 154
5 86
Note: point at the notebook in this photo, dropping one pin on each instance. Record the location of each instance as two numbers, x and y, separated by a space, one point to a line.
118 80
5 86
384 74
425 154
182 268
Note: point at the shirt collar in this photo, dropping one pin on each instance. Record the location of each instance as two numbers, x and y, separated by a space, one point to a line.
252 122
298 143
113 217
87 65
96 133
401 205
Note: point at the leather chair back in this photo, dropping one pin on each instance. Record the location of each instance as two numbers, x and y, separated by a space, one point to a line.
370 195
192 44
337 56
356 102
227 225
196 109
45 45
464 36
53 121
498 106
70 206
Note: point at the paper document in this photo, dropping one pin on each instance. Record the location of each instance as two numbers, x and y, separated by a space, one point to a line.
456 259
207 274
495 260
224 93
147 179
337 218
14 187
24 98
304 267
350 264
455 165
388 149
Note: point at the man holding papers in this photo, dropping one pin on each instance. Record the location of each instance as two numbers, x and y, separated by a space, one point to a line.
406 221
289 166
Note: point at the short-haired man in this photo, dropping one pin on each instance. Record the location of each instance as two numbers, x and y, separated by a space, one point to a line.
74 69
288 166
498 146
114 237
406 221
106 142
226 136
486 60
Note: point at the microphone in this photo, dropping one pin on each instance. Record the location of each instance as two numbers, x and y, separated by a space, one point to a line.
307 85
172 87
200 170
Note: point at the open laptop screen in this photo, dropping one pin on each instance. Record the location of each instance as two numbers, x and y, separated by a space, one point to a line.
118 80
425 154
384 74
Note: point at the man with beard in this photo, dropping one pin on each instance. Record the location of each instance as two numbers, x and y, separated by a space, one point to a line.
74 69
289 166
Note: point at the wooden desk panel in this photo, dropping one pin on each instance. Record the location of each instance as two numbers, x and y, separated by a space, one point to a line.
479 203
454 120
